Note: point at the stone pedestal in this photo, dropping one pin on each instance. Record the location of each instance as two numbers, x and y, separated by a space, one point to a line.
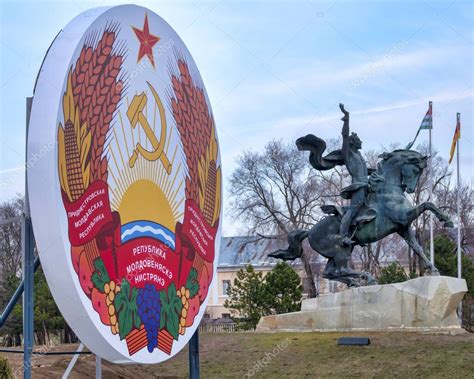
422 304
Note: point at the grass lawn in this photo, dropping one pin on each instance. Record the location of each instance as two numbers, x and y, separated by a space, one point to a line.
297 355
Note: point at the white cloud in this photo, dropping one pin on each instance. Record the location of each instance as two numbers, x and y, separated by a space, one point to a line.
12 170
340 76
312 119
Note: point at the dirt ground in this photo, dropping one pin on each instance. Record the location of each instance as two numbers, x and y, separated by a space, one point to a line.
295 355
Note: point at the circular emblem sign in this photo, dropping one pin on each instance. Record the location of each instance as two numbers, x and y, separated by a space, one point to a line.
125 188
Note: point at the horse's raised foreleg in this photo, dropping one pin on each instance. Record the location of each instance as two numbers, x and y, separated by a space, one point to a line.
409 236
415 212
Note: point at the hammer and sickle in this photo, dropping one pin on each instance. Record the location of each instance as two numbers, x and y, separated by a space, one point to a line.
136 116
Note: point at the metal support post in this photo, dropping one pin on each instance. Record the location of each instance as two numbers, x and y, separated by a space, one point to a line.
194 372
98 367
16 296
73 361
28 244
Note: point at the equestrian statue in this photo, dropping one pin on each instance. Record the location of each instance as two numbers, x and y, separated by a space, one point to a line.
378 206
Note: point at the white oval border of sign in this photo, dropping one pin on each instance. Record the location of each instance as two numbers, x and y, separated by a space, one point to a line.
47 211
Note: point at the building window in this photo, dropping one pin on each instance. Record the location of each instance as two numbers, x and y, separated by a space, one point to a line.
225 287
225 315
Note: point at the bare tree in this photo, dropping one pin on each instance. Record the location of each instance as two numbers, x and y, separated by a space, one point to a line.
47 316
10 267
447 195
10 238
275 192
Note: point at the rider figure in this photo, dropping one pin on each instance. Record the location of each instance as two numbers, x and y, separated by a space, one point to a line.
355 163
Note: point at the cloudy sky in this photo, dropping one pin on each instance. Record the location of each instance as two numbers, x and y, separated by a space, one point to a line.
278 69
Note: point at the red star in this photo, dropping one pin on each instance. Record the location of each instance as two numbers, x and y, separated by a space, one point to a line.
147 41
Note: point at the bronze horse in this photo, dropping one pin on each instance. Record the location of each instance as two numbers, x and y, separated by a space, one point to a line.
386 210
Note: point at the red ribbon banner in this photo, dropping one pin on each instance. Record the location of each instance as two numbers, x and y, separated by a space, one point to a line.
198 232
141 260
89 214
147 260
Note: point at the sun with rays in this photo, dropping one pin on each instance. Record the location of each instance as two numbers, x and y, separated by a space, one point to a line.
148 194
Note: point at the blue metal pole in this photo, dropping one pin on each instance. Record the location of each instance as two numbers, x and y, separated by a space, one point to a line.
15 297
194 371
28 316
28 267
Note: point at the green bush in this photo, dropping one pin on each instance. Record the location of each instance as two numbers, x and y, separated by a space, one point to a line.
5 369
283 289
247 298
393 273
446 261
252 295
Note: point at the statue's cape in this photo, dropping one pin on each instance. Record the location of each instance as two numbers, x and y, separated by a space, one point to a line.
316 146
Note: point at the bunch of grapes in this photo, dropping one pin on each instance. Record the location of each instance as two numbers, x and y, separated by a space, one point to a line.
148 302
111 289
183 293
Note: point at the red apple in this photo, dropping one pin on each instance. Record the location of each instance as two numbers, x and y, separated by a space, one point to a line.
193 310
85 275
98 302
76 252
203 284
210 270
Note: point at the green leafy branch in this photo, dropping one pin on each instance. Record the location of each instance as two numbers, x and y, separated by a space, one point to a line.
192 283
171 307
126 307
100 276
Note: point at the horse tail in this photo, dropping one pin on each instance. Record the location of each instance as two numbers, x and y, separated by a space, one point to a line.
294 250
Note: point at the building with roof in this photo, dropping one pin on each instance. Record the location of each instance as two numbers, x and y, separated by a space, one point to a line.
236 253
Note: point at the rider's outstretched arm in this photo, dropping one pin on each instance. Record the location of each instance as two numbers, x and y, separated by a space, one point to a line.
345 132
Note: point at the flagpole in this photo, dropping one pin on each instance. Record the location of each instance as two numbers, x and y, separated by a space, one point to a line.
458 200
431 188
458 204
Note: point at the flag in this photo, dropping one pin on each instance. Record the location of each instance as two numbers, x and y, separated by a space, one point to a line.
427 123
457 135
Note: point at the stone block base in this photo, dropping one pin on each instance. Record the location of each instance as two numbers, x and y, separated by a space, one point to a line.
422 304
